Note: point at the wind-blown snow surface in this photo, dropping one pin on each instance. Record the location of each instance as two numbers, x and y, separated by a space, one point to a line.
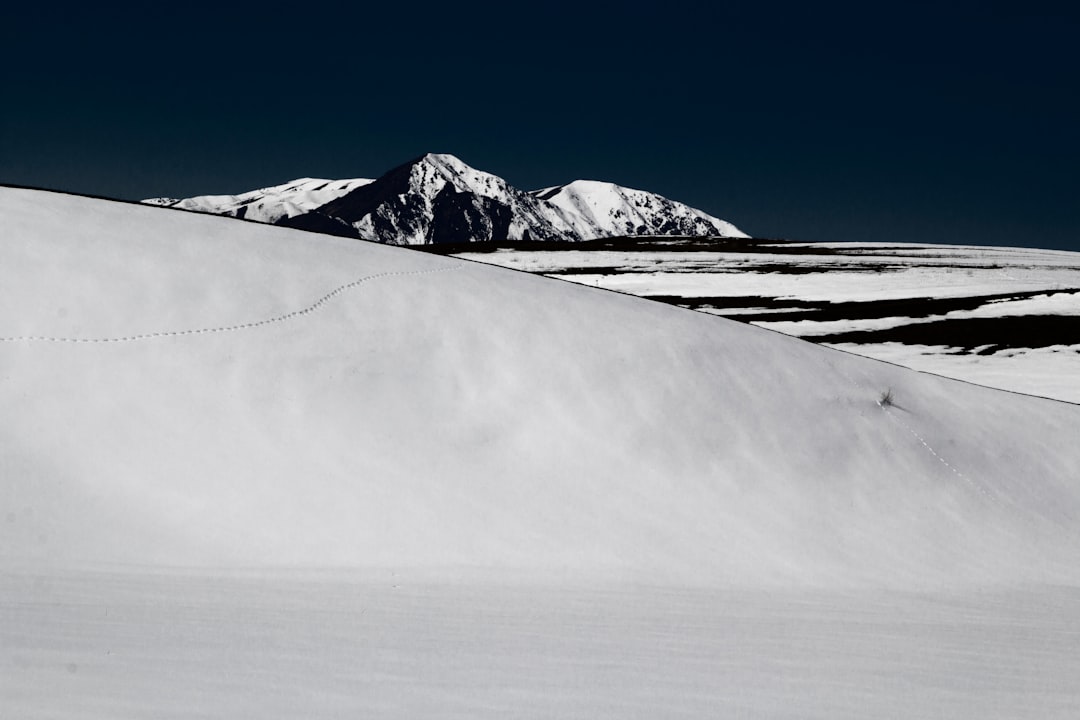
519 481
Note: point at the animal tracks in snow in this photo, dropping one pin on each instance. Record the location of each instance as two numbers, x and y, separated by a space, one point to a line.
889 407
226 328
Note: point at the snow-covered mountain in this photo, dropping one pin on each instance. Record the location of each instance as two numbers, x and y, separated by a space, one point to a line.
599 209
439 199
270 204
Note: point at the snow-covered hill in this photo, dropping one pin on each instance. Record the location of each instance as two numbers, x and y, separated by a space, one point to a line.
202 385
242 477
439 199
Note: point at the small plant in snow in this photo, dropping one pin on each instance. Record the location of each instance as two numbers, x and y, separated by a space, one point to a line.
886 399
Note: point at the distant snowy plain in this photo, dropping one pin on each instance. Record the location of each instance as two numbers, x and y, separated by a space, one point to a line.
1003 317
256 472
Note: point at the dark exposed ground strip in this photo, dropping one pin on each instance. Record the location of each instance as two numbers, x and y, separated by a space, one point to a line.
598 270
634 244
999 333
711 268
806 308
854 310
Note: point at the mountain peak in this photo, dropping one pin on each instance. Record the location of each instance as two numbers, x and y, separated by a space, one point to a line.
444 159
443 164
587 185
463 177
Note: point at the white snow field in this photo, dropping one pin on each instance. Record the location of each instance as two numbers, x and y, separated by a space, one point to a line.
255 472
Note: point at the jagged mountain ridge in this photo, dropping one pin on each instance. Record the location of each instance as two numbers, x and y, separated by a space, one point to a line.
439 199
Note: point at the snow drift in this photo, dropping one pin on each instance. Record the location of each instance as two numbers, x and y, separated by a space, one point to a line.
179 389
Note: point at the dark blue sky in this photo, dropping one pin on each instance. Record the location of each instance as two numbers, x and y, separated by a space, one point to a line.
956 122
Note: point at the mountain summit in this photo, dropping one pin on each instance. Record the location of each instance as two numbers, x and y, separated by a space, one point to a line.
439 199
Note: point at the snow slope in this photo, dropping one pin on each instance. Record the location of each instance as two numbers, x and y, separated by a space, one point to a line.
269 204
255 472
439 199
181 389
599 209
